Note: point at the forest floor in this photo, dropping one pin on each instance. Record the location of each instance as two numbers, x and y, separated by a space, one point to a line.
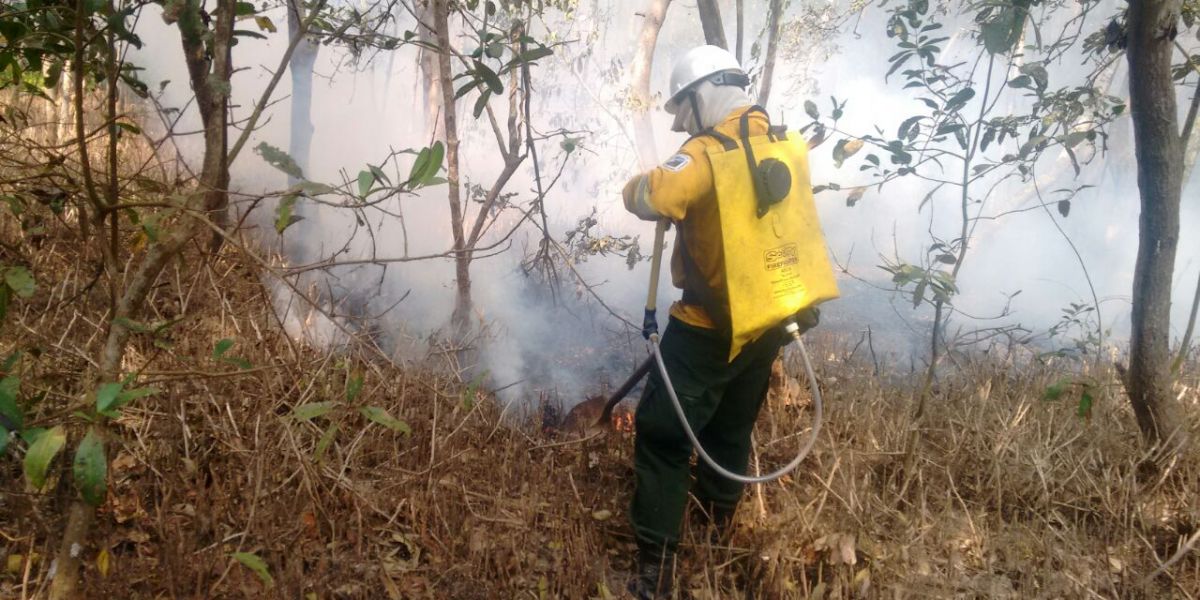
1010 495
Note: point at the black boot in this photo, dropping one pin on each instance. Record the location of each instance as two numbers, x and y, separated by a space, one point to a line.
655 576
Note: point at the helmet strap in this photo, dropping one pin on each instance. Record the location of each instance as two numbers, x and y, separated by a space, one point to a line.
695 110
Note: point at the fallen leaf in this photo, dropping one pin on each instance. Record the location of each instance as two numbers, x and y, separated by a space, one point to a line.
602 515
104 562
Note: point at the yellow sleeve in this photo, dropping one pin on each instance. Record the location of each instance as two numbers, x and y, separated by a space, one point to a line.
671 188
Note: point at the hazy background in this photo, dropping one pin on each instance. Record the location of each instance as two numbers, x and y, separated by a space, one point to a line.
566 343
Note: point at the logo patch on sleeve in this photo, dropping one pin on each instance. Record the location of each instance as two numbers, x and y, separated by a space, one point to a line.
676 163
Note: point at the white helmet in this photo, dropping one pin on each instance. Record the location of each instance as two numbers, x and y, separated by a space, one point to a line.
704 63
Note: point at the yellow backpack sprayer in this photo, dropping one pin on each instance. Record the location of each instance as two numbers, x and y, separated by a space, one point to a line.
775 264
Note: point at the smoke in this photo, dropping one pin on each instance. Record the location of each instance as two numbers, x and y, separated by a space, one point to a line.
562 342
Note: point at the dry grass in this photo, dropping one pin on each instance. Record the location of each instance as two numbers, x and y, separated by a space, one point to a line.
1012 496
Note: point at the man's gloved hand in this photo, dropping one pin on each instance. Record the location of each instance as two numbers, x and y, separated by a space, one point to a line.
637 198
808 318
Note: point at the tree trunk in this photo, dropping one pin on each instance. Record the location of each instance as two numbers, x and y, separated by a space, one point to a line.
643 130
710 20
300 127
1152 26
774 18
462 259
740 40
431 83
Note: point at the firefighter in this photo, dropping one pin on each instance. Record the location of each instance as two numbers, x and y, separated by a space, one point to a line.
721 394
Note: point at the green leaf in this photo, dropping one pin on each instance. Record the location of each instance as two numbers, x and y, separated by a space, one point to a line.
354 384
245 8
481 103
379 174
810 108
312 188
1064 208
128 396
489 77
254 563
106 397
91 469
279 159
381 416
1021 81
222 347
325 441
366 180
312 410
283 213
1003 31
41 454
264 23
437 152
134 326
535 54
959 100
20 281
1085 405
10 388
1055 391
31 434
4 433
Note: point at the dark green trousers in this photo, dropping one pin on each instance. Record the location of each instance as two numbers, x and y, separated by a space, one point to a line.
721 400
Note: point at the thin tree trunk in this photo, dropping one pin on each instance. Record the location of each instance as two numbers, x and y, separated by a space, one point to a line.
1152 25
431 83
1189 145
462 260
210 77
300 127
643 131
710 20
740 40
774 19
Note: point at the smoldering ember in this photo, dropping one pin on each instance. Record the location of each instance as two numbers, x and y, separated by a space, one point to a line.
599 299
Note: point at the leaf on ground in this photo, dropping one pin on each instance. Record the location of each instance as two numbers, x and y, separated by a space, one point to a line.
312 410
254 563
381 416
20 281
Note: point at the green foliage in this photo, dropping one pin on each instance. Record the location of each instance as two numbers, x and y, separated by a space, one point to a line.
354 385
39 40
90 469
279 159
1084 389
41 453
312 410
12 419
110 397
257 565
16 282
427 165
222 348
283 213
381 416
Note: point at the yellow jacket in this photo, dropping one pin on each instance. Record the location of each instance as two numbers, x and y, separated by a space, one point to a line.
682 189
